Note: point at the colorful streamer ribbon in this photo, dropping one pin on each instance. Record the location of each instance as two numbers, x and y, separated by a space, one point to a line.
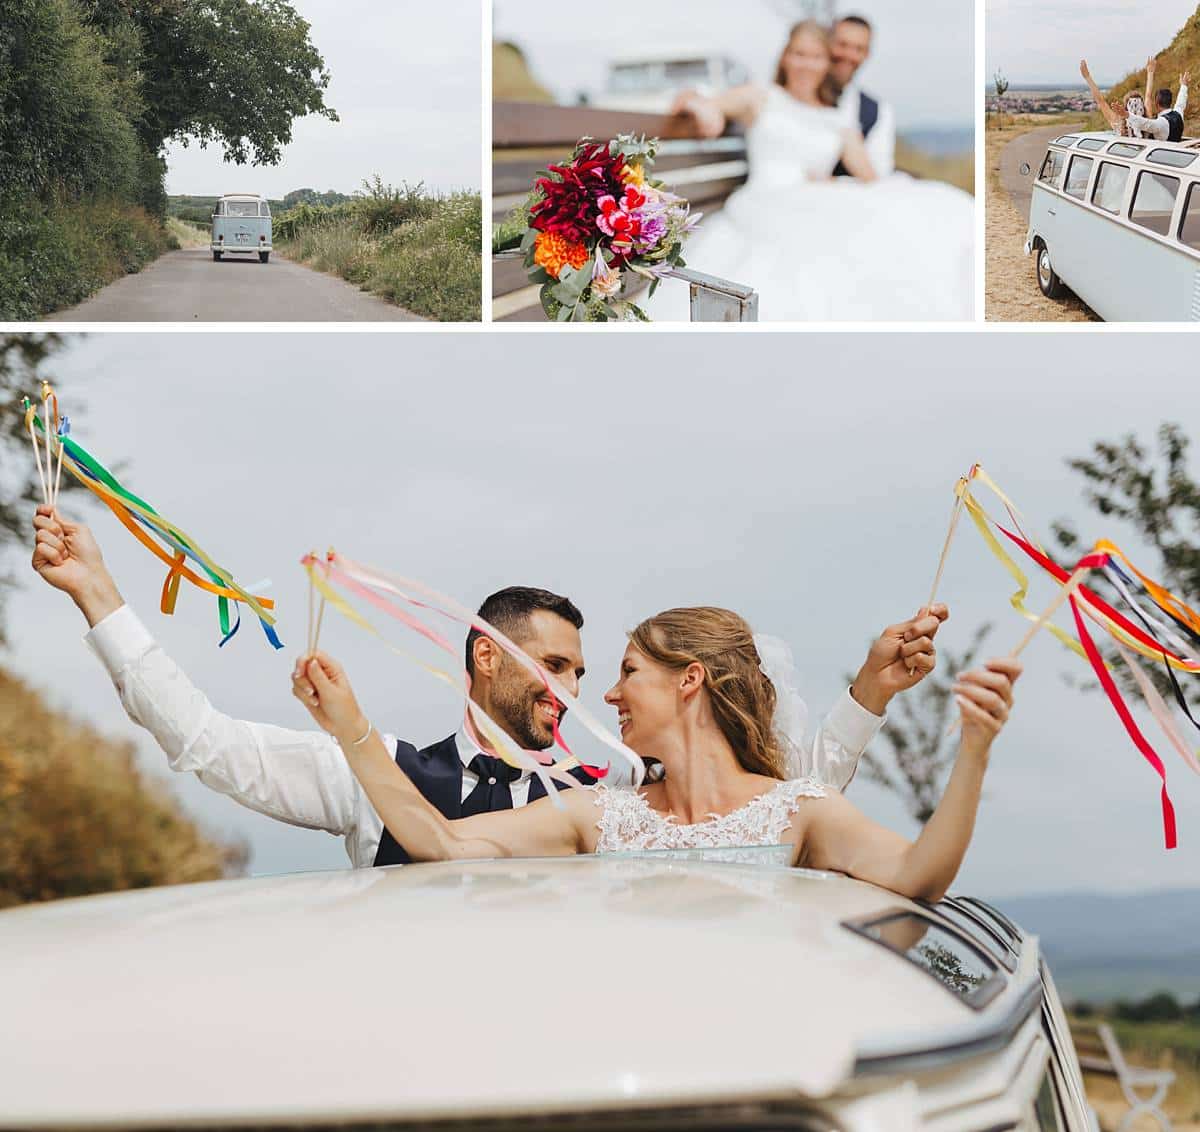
145 524
1152 639
372 585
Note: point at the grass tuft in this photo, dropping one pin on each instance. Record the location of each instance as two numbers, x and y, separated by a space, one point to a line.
418 251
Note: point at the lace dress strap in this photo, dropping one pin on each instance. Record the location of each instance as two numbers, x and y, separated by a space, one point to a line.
627 820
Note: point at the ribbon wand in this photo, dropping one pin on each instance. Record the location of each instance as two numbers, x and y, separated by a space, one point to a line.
311 601
960 487
30 413
954 517
320 610
61 430
1067 591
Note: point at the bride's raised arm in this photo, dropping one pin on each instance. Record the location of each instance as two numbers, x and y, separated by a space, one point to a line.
839 837
540 829
738 104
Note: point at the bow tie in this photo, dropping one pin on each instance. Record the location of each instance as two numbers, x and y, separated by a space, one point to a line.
491 792
489 769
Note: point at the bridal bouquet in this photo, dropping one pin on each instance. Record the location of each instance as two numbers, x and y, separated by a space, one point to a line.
595 221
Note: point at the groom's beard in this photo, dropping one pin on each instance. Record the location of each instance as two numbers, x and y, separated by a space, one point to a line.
516 708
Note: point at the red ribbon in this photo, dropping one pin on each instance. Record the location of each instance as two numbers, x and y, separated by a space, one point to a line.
1114 697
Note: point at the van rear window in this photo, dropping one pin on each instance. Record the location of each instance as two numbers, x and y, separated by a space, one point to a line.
1154 201
1078 173
1189 226
1171 157
958 964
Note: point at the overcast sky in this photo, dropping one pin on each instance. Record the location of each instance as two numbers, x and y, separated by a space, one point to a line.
1042 41
923 60
804 480
406 84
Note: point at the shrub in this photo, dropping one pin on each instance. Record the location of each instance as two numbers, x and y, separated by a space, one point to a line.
53 255
419 251
77 816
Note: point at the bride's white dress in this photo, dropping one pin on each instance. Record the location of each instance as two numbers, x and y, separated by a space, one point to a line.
831 249
627 821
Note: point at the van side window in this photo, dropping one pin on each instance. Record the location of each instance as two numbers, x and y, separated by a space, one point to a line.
1077 176
1154 201
1051 167
1110 186
1189 226
1046 1113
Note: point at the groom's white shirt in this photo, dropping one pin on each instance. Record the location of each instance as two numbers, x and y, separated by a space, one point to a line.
881 141
301 777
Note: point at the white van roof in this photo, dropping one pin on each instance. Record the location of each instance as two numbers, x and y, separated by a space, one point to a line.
241 196
613 981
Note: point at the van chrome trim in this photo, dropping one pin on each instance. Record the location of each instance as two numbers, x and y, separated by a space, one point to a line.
988 1034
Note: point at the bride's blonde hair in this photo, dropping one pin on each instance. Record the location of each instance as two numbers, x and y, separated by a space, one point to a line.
828 91
743 699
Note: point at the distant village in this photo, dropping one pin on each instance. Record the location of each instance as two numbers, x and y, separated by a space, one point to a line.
1041 101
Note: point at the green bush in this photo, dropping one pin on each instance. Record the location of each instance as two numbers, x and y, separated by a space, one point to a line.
54 255
66 112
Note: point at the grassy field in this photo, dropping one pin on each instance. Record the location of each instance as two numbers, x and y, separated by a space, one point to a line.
1010 288
1167 1045
187 234
418 251
958 170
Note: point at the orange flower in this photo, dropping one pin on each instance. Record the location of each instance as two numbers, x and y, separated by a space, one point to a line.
554 252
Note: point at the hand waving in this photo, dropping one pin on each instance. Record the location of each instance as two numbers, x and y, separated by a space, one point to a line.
985 697
321 685
899 659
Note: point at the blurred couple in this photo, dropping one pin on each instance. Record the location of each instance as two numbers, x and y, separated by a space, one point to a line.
712 705
824 229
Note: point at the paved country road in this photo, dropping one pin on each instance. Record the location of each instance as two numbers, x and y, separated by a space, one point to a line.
1031 148
188 286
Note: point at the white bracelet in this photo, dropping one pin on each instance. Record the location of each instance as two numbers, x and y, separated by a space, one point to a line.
366 736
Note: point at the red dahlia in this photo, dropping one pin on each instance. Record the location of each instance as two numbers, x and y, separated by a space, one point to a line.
568 206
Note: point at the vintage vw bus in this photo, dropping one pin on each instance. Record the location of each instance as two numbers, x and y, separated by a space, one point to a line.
1118 221
241 223
582 993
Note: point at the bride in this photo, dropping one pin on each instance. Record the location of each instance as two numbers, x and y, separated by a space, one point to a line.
692 695
816 247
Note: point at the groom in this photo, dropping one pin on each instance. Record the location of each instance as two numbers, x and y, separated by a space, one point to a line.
302 777
850 46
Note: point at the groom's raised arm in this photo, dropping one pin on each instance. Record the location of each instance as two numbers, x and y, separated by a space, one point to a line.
899 659
298 777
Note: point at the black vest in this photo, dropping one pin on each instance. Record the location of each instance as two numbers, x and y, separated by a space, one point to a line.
1174 123
868 115
437 772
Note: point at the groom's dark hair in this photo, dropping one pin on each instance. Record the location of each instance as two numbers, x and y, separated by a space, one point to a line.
509 609
862 21
1164 99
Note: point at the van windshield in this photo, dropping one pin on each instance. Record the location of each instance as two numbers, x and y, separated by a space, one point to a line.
241 208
